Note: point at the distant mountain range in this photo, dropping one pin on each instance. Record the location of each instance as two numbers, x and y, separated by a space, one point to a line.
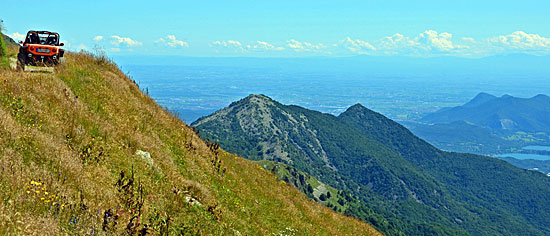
505 113
491 125
406 185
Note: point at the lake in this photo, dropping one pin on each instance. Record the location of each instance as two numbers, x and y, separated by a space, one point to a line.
537 148
523 156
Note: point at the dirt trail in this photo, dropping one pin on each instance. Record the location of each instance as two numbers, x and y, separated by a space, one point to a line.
319 190
47 69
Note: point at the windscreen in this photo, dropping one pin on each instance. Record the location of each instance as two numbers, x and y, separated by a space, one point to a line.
39 38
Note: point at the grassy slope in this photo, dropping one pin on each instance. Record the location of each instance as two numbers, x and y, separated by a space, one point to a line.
4 63
72 133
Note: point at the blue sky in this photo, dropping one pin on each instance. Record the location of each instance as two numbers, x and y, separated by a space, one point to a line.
292 28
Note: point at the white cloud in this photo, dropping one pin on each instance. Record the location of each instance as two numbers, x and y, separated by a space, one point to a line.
520 40
396 41
469 40
516 42
114 49
117 41
171 41
433 41
237 46
396 44
304 46
234 43
264 46
81 47
71 44
428 43
229 44
356 45
98 38
425 44
17 36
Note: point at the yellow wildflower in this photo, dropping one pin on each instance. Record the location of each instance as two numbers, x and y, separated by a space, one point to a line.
42 198
28 191
37 191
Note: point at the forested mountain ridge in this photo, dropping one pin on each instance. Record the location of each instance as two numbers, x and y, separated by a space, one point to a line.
505 113
419 189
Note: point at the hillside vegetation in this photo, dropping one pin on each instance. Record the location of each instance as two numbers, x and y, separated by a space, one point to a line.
405 185
338 200
84 151
3 50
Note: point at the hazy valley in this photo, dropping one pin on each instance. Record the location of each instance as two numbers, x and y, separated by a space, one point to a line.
275 118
